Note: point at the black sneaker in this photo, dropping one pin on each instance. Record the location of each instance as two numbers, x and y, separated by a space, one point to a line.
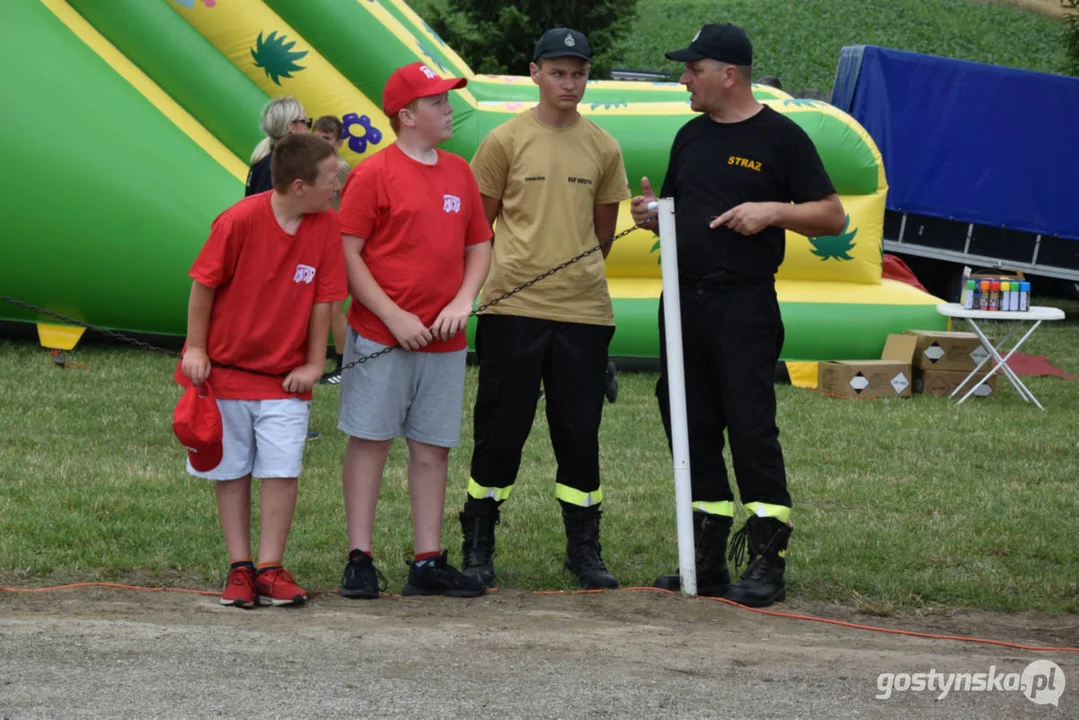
438 577
362 579
611 390
333 377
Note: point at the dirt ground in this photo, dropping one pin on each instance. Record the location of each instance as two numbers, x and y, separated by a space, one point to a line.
116 653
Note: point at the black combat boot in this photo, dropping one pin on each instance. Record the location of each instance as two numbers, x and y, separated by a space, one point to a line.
710 556
478 520
762 583
583 553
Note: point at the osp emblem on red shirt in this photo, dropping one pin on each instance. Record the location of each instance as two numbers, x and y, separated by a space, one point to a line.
304 274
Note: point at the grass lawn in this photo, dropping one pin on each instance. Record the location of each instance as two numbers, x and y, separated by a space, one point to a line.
800 40
900 506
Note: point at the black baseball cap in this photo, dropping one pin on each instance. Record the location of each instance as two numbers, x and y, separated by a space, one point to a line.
726 43
562 42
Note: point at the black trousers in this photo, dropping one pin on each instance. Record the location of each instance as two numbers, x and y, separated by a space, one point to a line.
514 354
732 335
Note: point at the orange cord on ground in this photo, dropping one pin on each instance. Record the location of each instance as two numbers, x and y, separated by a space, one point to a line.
115 586
843 623
773 613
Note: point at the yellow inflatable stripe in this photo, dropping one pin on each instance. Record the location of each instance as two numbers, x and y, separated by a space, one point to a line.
636 255
803 374
828 109
141 82
585 108
889 292
634 288
233 27
669 108
644 109
419 30
412 39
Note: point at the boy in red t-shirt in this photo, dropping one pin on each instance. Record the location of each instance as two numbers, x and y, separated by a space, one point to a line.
257 328
417 251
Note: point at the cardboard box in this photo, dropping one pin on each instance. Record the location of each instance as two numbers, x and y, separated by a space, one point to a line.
888 377
938 350
944 382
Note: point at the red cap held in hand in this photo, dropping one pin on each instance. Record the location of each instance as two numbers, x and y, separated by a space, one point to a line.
197 424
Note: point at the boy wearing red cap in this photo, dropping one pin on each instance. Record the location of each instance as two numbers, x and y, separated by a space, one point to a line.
417 252
257 328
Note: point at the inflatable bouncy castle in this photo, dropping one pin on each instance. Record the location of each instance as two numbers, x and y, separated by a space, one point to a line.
131 122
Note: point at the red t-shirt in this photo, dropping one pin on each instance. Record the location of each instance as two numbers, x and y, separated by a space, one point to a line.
416 221
265 283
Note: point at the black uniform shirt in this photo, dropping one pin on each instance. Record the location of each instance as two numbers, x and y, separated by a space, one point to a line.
717 166
258 177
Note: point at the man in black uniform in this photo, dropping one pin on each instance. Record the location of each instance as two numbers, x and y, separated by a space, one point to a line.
740 174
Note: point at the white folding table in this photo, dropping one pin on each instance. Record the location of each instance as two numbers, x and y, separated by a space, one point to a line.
1036 315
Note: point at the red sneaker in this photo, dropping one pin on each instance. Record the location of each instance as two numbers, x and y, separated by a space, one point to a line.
240 588
276 587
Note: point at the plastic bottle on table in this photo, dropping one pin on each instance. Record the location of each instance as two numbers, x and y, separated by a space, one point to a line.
983 295
1024 296
994 295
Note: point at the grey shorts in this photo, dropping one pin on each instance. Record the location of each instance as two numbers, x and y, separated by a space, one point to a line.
416 395
264 438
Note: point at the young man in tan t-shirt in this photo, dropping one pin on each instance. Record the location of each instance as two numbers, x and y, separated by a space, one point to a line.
553 180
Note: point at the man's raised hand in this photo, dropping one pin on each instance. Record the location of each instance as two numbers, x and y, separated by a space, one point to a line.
639 209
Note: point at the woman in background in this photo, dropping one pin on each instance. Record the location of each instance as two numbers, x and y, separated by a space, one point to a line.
282 116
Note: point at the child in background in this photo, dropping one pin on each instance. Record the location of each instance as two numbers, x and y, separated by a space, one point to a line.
330 129
282 116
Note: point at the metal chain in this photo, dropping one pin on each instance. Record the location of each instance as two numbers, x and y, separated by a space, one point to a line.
552 271
358 361
104 331
494 301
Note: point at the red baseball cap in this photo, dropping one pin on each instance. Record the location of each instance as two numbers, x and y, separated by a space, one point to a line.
197 424
413 81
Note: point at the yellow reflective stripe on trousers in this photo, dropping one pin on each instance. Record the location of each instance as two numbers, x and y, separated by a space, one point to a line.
479 492
718 507
780 513
576 497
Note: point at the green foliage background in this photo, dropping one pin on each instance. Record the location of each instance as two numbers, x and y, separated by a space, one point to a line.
1071 36
800 40
499 37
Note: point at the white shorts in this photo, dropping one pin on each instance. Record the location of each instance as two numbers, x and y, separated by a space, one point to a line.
263 438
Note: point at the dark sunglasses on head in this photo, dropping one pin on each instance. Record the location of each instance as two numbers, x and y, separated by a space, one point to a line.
305 121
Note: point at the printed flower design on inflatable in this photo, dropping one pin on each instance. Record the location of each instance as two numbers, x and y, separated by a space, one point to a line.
357 141
275 56
436 36
429 54
191 3
834 247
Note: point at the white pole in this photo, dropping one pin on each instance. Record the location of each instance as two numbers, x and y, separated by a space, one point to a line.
676 385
